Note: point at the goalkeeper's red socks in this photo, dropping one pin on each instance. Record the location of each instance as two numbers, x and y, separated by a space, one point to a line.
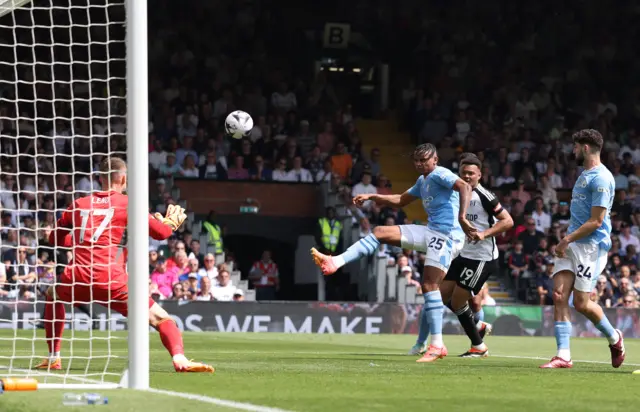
54 315
171 337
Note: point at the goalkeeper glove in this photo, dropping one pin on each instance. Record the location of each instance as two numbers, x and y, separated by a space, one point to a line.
174 217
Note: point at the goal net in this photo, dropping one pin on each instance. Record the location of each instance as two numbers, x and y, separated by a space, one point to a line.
62 110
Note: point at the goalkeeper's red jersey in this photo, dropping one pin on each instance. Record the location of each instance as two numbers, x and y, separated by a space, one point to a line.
94 227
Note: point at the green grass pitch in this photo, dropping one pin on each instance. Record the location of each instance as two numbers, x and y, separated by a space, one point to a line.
353 373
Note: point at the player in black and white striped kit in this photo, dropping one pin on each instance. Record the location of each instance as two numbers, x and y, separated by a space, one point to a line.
478 259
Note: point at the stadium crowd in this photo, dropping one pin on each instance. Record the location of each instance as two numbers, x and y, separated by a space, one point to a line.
517 116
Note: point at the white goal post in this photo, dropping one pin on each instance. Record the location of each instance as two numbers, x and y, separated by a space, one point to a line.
73 83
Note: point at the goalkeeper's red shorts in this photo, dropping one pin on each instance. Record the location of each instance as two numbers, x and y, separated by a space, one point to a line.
111 295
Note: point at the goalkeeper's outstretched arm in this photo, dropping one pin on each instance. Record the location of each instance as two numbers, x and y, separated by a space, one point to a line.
161 227
158 230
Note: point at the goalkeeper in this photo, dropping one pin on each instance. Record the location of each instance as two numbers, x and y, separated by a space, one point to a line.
94 226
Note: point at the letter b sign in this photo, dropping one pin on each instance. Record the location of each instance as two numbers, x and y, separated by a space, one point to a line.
336 35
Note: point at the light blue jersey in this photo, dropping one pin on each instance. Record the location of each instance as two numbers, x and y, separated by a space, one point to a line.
440 202
594 188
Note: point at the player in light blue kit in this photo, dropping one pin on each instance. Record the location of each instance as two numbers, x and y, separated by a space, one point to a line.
445 198
582 255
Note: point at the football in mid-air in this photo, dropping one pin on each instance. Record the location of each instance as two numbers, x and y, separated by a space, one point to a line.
238 124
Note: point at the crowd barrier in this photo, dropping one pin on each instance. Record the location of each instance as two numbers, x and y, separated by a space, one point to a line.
319 317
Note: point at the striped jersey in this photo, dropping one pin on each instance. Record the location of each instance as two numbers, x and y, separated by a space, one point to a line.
481 213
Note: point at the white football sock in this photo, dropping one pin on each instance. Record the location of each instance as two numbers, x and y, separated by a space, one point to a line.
338 261
614 339
436 340
179 358
564 354
481 347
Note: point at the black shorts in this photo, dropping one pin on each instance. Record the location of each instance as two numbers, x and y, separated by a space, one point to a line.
471 274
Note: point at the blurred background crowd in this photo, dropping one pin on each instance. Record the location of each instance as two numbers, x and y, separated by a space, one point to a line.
507 80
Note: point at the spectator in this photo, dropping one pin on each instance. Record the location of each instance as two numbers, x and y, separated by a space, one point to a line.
215 232
314 162
365 187
224 291
622 182
179 246
542 218
563 214
549 194
326 174
307 141
330 232
21 274
604 292
518 260
530 238
209 268
265 277
178 292
153 258
189 168
195 252
164 278
384 186
219 151
298 173
628 239
181 263
630 301
505 178
633 148
260 171
280 173
341 161
192 269
186 150
387 250
284 100
157 197
238 171
171 168
193 285
521 193
326 139
238 295
205 289
555 180
410 275
374 162
545 283
212 168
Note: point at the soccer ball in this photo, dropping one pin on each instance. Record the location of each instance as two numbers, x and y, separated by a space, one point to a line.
238 124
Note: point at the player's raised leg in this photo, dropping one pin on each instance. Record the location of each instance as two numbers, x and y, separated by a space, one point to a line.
366 246
425 161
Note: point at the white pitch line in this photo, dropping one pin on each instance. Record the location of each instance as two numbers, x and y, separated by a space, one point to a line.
201 398
31 372
343 353
220 402
547 358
